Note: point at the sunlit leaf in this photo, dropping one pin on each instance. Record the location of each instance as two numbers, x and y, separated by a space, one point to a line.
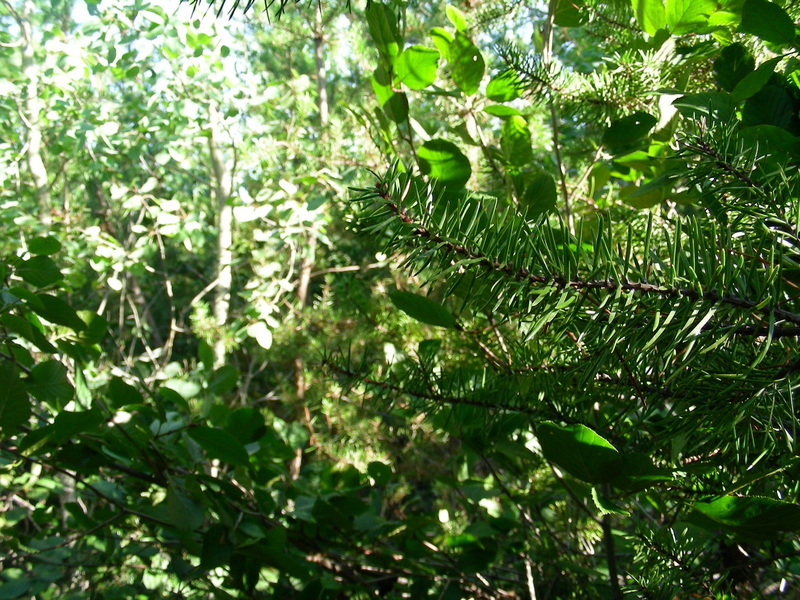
580 452
751 516
466 64
650 14
443 160
423 309
416 67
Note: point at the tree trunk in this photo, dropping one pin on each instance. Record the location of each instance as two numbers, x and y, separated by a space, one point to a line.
31 109
307 263
322 76
223 182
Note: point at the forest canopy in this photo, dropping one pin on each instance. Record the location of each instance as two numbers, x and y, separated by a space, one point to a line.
476 300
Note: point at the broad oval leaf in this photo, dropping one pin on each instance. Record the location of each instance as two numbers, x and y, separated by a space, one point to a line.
689 16
503 87
39 271
466 64
516 141
68 424
751 516
650 15
246 424
753 82
44 245
120 393
396 108
443 160
382 24
580 452
442 40
569 13
540 196
501 110
629 130
638 472
767 21
221 445
223 380
456 17
416 67
57 311
732 65
423 309
48 383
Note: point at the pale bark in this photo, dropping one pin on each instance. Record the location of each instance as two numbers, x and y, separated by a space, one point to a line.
307 263
31 115
223 183
322 76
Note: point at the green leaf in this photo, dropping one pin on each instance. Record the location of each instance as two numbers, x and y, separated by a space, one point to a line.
423 309
772 105
416 67
96 328
568 13
689 16
382 24
44 245
516 141
443 160
246 424
217 548
67 425
456 17
394 105
223 380
717 106
57 311
629 130
380 472
182 511
540 196
504 87
120 393
39 271
221 445
750 516
752 83
27 330
15 408
396 108
48 383
466 64
650 15
606 506
442 40
500 110
638 472
580 452
767 21
732 65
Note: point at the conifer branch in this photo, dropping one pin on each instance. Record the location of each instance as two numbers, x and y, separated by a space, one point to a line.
556 282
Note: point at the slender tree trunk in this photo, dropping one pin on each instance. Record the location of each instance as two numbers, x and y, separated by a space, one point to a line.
307 263
223 182
31 110
322 76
